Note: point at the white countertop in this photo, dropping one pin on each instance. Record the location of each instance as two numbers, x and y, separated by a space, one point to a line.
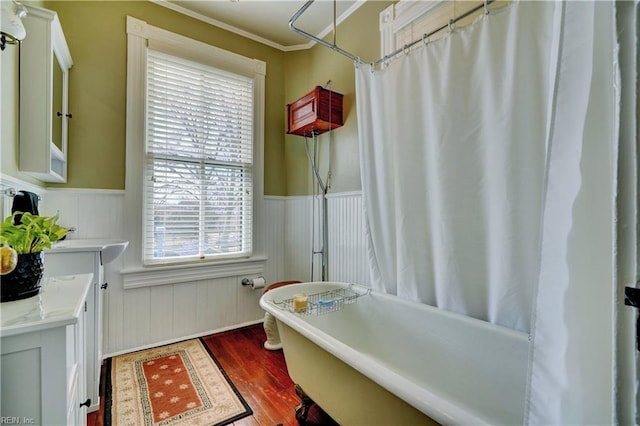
60 302
83 244
108 248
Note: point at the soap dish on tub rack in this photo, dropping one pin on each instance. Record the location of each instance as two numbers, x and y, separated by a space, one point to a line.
324 302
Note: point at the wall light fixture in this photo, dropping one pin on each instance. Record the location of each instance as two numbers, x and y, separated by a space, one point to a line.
11 27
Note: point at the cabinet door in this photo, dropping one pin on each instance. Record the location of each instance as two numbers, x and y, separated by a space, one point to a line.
45 62
71 263
37 368
81 404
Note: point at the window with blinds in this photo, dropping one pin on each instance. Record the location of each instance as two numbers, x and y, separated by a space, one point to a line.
198 171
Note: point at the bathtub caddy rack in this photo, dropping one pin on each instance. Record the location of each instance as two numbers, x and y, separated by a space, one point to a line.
326 301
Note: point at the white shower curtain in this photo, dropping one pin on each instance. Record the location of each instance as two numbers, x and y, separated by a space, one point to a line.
452 142
572 371
488 163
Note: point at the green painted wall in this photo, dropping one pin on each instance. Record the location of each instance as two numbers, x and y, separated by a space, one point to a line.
96 34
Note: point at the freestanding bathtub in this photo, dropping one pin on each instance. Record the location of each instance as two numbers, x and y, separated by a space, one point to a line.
369 358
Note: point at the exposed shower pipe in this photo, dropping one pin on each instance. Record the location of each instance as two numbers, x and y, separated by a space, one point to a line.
425 37
324 187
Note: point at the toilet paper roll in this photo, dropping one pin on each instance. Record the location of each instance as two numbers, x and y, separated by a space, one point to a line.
257 283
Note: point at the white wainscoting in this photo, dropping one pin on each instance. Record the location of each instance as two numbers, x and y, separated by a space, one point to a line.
144 317
297 238
93 213
270 237
347 248
347 259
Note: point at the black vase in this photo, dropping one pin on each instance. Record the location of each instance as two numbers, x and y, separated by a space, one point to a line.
24 280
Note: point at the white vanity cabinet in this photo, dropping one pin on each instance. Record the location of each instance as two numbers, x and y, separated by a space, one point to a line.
79 257
42 370
83 262
45 61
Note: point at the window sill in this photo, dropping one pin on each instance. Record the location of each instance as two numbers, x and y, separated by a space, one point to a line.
174 274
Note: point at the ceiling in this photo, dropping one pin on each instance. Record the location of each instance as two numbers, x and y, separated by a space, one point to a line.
267 21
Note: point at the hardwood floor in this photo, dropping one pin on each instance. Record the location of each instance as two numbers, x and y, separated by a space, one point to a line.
259 375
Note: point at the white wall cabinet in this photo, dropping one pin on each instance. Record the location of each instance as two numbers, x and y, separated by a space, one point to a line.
45 62
42 370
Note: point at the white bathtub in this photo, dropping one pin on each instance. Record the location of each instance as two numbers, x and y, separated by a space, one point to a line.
384 360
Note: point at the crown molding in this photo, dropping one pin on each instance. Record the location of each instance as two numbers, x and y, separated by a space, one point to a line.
216 23
177 8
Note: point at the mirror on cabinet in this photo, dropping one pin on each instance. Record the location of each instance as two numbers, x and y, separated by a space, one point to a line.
56 118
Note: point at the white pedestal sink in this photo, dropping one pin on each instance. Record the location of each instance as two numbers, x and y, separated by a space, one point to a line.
80 256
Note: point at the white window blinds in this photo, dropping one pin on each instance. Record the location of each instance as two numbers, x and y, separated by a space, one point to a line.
198 171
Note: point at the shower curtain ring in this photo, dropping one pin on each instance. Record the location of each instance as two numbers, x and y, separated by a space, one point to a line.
405 49
451 25
486 7
425 38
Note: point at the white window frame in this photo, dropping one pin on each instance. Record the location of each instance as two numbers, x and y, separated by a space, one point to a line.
139 36
396 17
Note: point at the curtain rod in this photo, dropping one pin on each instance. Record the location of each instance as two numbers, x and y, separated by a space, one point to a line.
357 59
305 34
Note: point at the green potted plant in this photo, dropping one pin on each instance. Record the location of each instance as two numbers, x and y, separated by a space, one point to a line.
23 236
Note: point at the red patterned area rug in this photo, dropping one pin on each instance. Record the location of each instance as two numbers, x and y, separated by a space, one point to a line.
177 384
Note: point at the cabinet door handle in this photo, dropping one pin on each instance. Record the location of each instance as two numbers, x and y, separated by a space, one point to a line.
104 286
59 114
87 403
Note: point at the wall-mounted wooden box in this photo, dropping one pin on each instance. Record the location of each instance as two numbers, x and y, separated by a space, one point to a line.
316 112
